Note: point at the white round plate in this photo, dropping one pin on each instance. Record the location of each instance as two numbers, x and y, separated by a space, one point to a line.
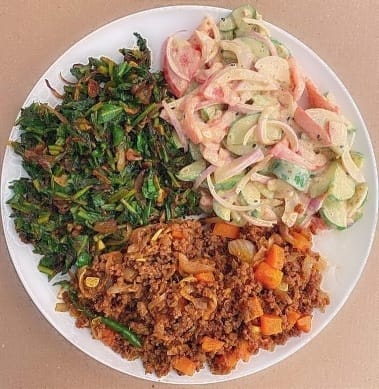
346 251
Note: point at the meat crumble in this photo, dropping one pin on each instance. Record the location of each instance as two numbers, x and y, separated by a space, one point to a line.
191 302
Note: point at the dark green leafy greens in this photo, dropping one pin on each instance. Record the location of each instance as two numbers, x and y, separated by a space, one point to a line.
99 163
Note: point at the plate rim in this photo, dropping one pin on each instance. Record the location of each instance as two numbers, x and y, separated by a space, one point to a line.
346 295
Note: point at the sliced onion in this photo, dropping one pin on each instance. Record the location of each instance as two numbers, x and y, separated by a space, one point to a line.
248 134
258 23
238 165
351 167
265 40
258 222
290 133
280 150
242 51
206 172
314 206
246 108
243 249
211 305
257 177
204 74
225 203
177 126
261 128
193 266
253 175
307 266
209 46
233 73
192 125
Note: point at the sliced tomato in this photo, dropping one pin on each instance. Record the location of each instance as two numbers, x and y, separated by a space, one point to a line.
318 100
204 74
310 127
215 130
214 154
208 46
176 84
182 58
297 79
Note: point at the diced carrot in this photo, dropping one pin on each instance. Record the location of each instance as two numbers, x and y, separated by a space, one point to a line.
292 317
304 323
177 234
268 276
228 361
255 307
108 336
244 350
226 230
310 127
275 256
206 276
300 242
271 324
209 344
184 365
318 100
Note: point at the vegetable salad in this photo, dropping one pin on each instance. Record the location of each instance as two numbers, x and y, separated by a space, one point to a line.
268 146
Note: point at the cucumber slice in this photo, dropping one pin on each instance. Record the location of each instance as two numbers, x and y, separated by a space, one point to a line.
245 11
295 175
334 212
192 171
221 211
338 136
227 24
228 56
259 49
240 149
342 186
176 140
250 194
237 219
355 217
281 49
265 100
239 129
273 133
195 151
265 192
358 158
358 199
210 112
230 183
227 35
320 184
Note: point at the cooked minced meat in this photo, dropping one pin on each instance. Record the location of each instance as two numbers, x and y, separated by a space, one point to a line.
191 302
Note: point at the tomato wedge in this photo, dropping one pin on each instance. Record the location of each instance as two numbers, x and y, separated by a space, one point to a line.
316 99
182 58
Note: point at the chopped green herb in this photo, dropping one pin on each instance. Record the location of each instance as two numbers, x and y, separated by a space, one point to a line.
102 154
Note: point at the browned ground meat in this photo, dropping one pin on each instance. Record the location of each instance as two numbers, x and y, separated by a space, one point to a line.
172 311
